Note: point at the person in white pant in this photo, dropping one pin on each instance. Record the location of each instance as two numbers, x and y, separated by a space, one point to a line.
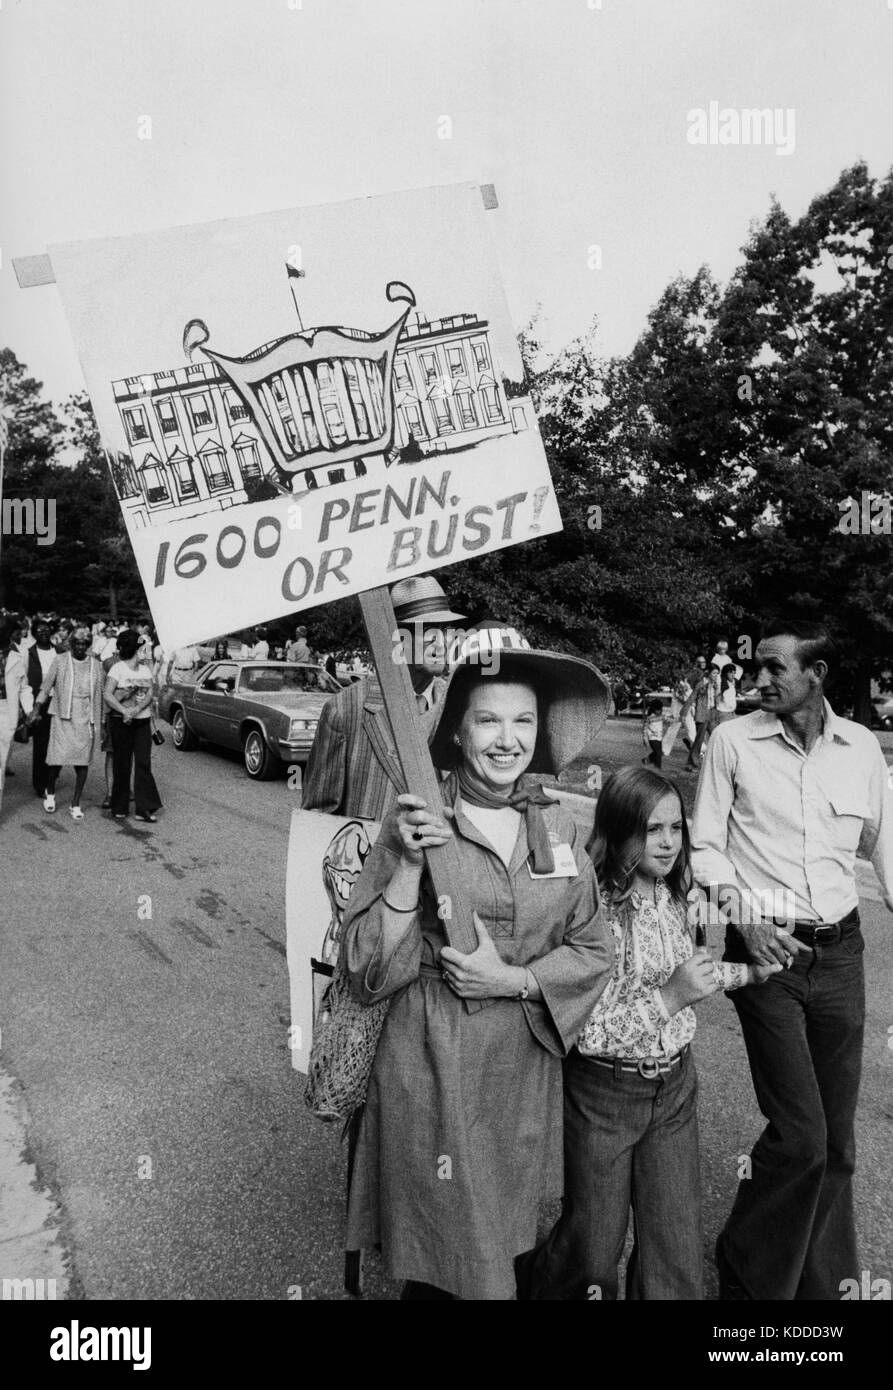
681 692
15 692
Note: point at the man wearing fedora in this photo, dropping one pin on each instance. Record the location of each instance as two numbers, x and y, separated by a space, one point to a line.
353 768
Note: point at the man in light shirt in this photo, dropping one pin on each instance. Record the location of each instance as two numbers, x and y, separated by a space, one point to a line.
788 795
260 648
184 664
105 641
298 650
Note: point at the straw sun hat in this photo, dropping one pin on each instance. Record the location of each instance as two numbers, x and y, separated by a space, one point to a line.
422 600
572 694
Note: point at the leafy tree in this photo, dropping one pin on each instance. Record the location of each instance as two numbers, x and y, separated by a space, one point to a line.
630 581
111 575
89 566
32 432
807 326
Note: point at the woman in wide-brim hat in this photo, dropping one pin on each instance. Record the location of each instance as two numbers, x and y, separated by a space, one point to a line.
463 1108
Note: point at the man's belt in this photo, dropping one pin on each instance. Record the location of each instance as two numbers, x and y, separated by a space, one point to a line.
821 931
649 1067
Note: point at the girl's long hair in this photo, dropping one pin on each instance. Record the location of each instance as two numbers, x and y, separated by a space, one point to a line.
622 812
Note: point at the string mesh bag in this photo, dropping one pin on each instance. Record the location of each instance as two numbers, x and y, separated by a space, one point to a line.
345 1037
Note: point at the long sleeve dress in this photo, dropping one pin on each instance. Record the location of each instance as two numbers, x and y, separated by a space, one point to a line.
74 689
464 1107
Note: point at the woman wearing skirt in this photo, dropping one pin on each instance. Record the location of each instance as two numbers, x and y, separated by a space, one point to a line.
73 690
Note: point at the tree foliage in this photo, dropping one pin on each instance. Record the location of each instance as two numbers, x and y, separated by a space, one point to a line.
809 318
89 568
721 451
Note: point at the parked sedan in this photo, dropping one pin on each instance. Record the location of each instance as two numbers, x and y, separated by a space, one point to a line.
267 709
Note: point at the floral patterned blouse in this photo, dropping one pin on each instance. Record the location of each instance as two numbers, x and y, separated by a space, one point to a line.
650 940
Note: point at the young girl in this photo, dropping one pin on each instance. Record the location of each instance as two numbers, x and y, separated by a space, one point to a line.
630 1116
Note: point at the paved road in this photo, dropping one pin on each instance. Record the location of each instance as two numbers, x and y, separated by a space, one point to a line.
144 1013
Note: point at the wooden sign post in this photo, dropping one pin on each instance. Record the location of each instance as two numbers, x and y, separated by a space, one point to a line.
443 862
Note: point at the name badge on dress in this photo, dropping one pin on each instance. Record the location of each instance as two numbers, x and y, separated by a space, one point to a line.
565 865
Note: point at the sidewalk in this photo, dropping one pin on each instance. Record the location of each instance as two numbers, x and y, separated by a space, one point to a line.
33 1261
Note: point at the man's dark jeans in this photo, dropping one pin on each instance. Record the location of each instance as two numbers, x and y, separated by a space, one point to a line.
791 1233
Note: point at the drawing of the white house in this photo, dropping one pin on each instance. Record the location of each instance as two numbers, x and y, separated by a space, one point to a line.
306 411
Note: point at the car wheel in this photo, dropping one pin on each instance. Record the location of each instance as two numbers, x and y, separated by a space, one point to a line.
260 764
887 723
182 735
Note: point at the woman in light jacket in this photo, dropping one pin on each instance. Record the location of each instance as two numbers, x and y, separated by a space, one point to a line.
73 691
463 1110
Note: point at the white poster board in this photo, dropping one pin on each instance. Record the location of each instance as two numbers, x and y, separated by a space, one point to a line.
303 405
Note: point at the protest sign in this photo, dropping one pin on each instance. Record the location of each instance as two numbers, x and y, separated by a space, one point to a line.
325 856
263 473
229 570
264 465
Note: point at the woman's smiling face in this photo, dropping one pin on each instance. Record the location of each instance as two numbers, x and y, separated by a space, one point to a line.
498 731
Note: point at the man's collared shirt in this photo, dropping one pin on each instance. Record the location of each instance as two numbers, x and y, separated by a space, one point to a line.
427 698
777 821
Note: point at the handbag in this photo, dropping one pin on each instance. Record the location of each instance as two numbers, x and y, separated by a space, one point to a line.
345 1038
22 731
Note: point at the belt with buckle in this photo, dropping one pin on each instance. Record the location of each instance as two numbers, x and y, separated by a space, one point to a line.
648 1067
817 931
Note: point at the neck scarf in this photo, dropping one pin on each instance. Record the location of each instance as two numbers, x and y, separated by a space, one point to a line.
528 801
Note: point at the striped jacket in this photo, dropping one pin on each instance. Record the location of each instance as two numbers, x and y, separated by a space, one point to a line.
353 768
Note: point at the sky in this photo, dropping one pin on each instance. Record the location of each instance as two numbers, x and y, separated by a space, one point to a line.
578 111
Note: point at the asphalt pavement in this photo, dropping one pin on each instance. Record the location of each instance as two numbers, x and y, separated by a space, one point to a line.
151 1101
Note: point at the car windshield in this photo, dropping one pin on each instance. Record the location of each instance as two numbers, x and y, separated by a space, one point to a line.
275 678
